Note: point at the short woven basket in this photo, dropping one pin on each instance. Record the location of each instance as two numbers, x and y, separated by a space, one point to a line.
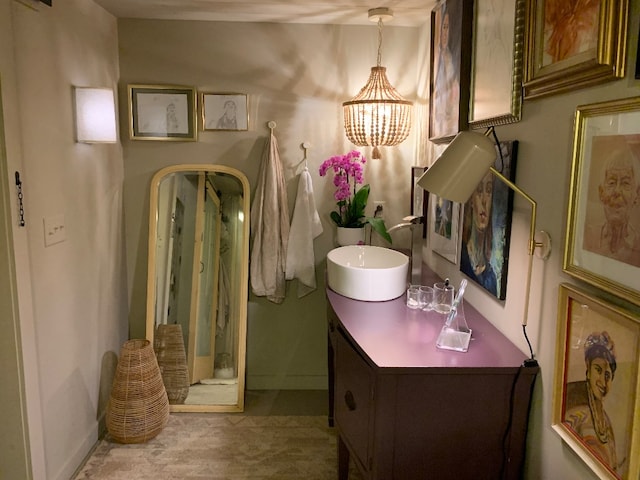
168 344
138 406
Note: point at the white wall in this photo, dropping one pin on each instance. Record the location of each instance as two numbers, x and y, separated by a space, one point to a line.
73 294
298 76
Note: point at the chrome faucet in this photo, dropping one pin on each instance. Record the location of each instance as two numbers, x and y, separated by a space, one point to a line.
414 274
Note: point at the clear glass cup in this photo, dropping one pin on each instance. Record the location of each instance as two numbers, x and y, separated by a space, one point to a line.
413 296
442 297
426 298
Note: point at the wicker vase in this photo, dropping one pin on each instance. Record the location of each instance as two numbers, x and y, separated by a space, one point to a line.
168 344
138 406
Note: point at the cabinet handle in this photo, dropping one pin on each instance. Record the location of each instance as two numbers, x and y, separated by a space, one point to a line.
349 400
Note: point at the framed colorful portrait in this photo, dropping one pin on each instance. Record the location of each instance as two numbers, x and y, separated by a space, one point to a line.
603 225
496 67
419 198
572 44
444 218
224 111
450 60
486 228
596 405
162 112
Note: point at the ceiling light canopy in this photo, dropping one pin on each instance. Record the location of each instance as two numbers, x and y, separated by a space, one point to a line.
378 115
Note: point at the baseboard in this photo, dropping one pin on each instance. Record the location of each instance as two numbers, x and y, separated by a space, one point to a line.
289 382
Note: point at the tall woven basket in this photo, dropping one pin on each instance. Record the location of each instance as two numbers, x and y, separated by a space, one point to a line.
168 344
138 406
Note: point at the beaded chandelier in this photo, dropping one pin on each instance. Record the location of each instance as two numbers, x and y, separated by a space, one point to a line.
378 115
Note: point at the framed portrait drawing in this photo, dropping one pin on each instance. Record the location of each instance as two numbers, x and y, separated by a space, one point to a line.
224 111
486 229
444 218
496 67
602 245
419 198
450 60
572 45
162 112
596 405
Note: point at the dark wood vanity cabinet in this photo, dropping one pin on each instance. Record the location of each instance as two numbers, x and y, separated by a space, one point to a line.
406 410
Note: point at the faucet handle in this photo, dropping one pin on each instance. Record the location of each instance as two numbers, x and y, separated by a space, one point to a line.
413 219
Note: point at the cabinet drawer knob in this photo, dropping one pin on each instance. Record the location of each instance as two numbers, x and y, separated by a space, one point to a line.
349 400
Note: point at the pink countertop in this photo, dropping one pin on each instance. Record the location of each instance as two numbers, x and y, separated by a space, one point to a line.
394 336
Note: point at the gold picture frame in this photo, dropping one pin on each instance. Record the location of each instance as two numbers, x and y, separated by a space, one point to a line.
162 112
596 401
224 111
599 201
496 68
555 62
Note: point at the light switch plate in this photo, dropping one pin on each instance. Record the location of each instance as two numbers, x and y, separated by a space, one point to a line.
54 230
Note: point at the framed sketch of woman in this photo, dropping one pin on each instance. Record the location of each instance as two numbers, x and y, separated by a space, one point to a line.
596 404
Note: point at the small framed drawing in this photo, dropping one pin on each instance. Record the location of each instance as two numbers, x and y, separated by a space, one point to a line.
596 403
419 198
570 48
496 70
450 60
486 229
602 244
224 111
444 216
162 112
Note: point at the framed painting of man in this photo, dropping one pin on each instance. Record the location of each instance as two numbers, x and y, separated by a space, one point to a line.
450 60
596 403
571 44
603 225
486 228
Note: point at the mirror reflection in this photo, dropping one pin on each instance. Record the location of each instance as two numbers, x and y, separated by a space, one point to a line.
197 284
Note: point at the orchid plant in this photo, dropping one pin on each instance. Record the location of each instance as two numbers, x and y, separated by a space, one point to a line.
351 200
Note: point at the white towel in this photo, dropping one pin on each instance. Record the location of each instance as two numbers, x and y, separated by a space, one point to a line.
269 227
305 226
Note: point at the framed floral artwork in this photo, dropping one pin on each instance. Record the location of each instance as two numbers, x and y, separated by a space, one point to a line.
496 67
450 60
162 112
572 44
596 405
486 228
602 245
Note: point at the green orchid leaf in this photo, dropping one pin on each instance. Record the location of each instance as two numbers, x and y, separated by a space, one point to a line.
381 229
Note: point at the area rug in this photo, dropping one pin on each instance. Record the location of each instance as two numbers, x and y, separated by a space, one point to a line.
223 447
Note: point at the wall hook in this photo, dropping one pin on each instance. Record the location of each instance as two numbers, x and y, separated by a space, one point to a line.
305 146
271 126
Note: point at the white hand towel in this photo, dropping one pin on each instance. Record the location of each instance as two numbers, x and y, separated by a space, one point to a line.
269 227
305 226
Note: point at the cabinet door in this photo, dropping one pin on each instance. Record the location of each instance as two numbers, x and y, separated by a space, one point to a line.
353 399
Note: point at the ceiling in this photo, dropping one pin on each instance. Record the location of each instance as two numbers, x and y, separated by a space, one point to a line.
409 13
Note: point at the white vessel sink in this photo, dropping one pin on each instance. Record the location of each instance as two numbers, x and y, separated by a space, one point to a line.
365 272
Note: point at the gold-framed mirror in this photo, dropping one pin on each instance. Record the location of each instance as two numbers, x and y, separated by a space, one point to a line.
197 284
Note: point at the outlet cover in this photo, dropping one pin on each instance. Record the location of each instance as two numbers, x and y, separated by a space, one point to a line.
54 230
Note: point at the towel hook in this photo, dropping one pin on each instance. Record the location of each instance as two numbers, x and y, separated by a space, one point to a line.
305 146
271 125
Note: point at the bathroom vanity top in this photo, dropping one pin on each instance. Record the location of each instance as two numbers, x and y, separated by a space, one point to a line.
394 336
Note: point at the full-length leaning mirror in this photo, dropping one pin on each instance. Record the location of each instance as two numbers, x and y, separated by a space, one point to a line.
197 285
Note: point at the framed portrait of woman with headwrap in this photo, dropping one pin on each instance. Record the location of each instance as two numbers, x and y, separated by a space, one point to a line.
596 406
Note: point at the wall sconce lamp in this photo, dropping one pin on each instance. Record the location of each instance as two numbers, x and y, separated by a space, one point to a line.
456 174
378 115
95 115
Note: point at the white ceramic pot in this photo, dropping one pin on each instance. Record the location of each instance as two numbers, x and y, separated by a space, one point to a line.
349 236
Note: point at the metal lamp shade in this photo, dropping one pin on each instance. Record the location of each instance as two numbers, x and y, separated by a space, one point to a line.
458 171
